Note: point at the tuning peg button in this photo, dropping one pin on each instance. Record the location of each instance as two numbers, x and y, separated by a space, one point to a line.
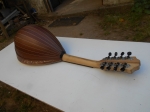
115 54
122 53
109 66
116 66
129 53
103 65
109 54
123 67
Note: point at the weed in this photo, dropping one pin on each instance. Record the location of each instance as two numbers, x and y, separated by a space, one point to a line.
26 106
106 33
141 6
109 21
138 37
81 34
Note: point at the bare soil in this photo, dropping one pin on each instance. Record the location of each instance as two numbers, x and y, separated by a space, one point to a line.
88 28
12 100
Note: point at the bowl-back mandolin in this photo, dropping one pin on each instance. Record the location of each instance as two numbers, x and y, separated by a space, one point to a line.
36 45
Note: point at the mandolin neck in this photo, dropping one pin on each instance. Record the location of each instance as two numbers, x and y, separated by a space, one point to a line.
81 61
120 64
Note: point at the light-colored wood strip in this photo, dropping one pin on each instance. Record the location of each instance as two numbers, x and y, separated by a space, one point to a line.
81 61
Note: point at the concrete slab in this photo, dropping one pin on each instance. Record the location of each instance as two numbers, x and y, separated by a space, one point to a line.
87 28
76 6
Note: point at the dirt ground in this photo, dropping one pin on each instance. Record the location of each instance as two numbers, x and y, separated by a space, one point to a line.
88 28
119 27
92 26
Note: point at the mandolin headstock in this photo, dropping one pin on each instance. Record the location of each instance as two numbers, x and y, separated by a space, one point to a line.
121 64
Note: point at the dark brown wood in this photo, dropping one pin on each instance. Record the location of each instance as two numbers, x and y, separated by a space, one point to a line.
36 45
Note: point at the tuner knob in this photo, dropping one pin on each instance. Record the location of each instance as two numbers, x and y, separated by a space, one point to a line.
116 66
109 54
121 54
125 64
129 53
109 66
115 54
103 65
123 67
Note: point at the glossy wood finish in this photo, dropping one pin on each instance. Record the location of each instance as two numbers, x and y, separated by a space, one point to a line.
36 45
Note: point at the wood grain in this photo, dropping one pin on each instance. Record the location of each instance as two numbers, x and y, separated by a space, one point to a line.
36 45
81 61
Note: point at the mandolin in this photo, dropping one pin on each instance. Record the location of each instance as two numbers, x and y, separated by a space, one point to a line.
36 45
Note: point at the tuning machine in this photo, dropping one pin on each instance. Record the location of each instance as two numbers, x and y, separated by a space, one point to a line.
109 54
116 66
103 65
109 65
118 58
115 54
122 53
129 53
124 65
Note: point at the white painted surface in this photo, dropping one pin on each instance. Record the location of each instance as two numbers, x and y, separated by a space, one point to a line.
75 88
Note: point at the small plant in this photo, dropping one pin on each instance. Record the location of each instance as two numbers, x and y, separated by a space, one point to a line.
81 34
141 6
107 33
